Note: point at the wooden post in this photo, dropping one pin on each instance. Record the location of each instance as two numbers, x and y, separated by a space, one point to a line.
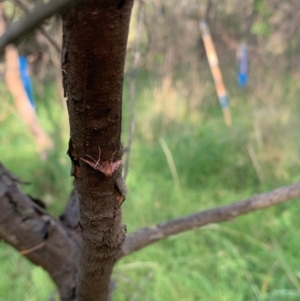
216 72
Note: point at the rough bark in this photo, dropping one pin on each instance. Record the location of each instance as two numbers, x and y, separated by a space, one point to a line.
36 235
94 47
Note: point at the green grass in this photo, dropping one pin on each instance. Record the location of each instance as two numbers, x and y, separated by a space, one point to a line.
255 257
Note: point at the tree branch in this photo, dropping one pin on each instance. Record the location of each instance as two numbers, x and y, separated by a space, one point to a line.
40 28
146 236
32 20
39 237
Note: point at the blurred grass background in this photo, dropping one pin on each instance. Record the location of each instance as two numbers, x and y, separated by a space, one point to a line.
255 257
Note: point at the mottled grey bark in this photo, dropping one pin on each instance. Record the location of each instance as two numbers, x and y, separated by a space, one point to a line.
38 236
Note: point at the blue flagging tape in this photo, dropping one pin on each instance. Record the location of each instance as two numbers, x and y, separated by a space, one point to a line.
243 61
223 99
242 80
26 79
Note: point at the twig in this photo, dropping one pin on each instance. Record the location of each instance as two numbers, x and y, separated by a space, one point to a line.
255 162
27 251
40 28
294 25
136 57
171 162
52 296
32 20
141 286
146 236
284 264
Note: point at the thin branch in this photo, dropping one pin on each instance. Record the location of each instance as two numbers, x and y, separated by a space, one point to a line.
136 57
30 250
146 236
40 28
32 20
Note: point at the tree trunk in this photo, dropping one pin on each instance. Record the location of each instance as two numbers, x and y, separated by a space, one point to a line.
94 47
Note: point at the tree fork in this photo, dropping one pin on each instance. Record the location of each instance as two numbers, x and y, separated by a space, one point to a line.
94 47
39 237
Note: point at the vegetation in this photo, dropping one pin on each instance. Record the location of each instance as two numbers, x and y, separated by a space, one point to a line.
251 258
183 158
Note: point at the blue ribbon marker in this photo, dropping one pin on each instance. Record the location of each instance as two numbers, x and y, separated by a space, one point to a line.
26 79
243 60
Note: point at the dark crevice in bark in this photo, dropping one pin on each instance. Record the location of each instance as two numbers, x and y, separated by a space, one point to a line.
70 215
121 4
